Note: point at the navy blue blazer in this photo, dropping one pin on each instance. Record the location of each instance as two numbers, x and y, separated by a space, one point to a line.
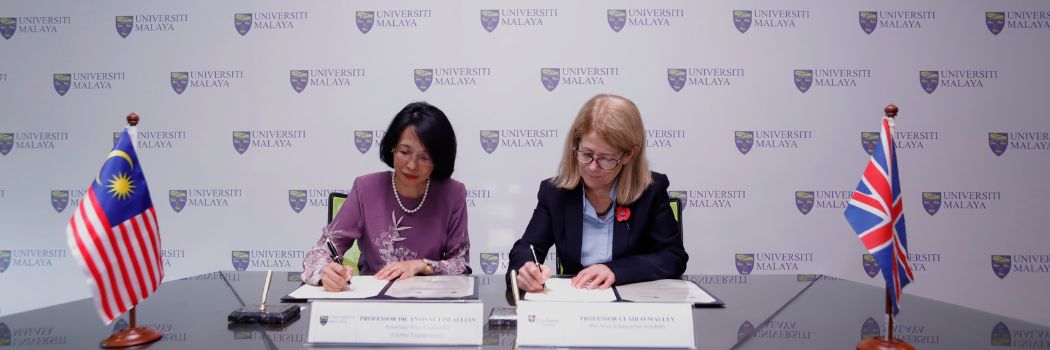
647 246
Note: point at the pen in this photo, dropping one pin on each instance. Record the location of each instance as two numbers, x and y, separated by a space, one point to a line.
537 261
334 253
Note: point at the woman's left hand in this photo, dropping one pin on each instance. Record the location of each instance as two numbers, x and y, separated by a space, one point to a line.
597 276
401 269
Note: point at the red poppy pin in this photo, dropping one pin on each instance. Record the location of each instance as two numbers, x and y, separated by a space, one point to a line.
622 214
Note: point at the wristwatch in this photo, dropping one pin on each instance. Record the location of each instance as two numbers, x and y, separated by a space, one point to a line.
429 269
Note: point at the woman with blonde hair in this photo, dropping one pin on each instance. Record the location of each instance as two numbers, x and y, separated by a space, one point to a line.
605 211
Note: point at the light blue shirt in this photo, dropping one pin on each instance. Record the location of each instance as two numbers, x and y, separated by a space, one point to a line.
597 234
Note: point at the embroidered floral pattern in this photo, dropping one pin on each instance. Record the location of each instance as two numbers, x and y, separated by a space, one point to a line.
385 242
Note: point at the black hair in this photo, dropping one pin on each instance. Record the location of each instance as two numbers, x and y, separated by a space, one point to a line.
432 128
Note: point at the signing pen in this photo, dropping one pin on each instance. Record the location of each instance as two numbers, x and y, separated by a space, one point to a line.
537 261
334 253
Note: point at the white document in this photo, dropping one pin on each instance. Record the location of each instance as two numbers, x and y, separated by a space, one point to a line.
360 287
561 289
664 291
432 287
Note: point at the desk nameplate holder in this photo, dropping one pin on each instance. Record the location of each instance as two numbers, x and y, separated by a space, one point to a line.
389 323
631 325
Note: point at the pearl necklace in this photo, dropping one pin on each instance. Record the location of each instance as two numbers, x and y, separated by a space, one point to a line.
398 197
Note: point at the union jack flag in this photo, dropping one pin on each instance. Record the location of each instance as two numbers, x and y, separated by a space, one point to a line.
876 213
113 234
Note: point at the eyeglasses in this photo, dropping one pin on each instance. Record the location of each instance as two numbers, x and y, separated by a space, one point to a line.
585 157
405 154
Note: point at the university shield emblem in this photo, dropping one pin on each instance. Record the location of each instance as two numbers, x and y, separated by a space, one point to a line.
5 335
62 82
1001 335
871 267
299 79
121 324
423 78
116 137
297 199
995 21
617 18
550 77
804 201
868 21
1001 265
240 259
124 25
365 20
742 20
744 141
5 260
745 330
803 79
179 81
489 262
177 199
868 140
998 141
489 19
676 77
363 140
870 329
745 263
59 200
532 318
294 277
929 79
489 140
931 201
7 142
241 141
243 22
324 320
7 26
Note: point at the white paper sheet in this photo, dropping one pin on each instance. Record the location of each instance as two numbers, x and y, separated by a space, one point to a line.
560 289
664 291
432 287
360 287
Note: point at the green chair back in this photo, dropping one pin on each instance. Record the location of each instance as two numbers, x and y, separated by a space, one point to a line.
352 255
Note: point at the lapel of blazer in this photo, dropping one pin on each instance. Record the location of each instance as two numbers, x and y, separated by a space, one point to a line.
574 225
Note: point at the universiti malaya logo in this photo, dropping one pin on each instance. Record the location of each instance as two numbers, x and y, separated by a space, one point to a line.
1001 335
243 22
745 263
423 78
804 201
931 201
324 320
803 79
744 140
871 267
5 260
297 200
870 329
299 79
998 142
489 19
5 335
179 81
995 21
177 199
240 259
8 26
489 140
868 140
744 330
929 79
617 18
241 141
742 20
365 20
59 199
489 263
7 142
550 77
124 25
363 140
868 21
676 77
1001 265
62 83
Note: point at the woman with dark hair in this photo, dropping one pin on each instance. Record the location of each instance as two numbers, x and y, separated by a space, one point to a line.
409 221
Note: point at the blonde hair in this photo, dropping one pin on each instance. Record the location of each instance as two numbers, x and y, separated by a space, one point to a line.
618 122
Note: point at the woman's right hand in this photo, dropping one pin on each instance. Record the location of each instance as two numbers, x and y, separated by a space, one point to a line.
335 276
531 277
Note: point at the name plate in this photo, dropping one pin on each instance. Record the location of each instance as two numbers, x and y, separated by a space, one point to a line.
414 323
633 325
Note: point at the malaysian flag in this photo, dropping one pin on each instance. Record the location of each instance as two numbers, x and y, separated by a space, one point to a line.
113 234
876 213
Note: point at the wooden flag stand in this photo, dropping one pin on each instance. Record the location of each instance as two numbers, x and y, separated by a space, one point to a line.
133 335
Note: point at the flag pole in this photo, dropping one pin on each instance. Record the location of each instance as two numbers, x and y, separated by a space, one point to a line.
889 342
133 335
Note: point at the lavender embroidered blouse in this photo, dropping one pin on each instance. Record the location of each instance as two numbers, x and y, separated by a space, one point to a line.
385 233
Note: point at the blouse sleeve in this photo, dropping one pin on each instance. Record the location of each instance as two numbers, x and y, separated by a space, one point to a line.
456 259
344 229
